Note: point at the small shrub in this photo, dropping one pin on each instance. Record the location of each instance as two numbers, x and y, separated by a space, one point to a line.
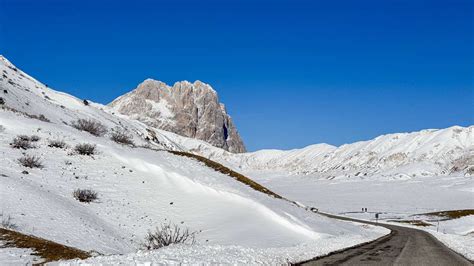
85 195
85 102
42 118
121 136
7 222
93 127
85 149
30 161
57 144
167 234
22 142
2 101
34 138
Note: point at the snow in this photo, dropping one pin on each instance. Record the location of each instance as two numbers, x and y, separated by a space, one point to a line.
17 256
410 196
141 187
227 255
161 108
392 199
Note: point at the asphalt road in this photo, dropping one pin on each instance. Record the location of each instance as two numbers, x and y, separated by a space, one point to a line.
404 246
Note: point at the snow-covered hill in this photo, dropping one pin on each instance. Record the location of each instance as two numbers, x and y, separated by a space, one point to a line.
402 155
140 187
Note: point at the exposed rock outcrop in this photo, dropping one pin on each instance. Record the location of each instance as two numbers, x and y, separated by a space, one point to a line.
188 109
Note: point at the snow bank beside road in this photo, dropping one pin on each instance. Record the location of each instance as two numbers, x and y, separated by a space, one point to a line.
231 255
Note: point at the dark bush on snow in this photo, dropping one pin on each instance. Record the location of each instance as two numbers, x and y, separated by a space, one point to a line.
30 161
22 142
85 149
41 118
34 138
121 136
85 195
57 144
167 234
93 127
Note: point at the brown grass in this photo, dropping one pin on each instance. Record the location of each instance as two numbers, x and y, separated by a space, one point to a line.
48 250
224 170
454 214
413 222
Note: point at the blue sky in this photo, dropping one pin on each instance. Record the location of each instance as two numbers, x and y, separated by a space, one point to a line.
291 73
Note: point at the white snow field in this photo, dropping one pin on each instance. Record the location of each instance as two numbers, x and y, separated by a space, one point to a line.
139 188
392 199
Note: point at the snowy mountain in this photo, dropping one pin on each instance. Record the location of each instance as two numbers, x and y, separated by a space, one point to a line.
402 155
188 109
138 186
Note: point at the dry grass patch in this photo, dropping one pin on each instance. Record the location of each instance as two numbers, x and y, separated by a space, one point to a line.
60 144
412 222
31 161
24 142
168 234
224 170
85 149
85 195
48 250
93 127
454 214
122 137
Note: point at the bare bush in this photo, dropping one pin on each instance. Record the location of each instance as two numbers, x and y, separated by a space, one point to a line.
57 144
85 195
22 142
85 149
167 234
40 117
121 136
30 161
7 222
93 127
34 138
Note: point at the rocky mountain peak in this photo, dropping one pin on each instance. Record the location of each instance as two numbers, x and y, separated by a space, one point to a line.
188 109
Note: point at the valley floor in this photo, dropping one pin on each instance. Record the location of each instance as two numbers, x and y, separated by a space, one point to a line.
401 202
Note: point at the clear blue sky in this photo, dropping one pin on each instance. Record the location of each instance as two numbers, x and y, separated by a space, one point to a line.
291 73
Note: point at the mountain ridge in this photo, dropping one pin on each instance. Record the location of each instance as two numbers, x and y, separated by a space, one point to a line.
188 109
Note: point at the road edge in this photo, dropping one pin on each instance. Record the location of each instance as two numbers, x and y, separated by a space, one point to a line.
387 236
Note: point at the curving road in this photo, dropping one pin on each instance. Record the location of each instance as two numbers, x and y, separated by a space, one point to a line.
404 246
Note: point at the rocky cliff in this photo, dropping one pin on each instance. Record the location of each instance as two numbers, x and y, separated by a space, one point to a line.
188 109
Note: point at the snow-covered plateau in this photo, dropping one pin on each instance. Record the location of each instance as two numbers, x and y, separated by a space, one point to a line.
141 186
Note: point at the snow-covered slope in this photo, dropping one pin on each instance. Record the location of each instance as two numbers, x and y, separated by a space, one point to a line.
140 187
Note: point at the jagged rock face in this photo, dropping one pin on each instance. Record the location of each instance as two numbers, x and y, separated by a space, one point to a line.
188 109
